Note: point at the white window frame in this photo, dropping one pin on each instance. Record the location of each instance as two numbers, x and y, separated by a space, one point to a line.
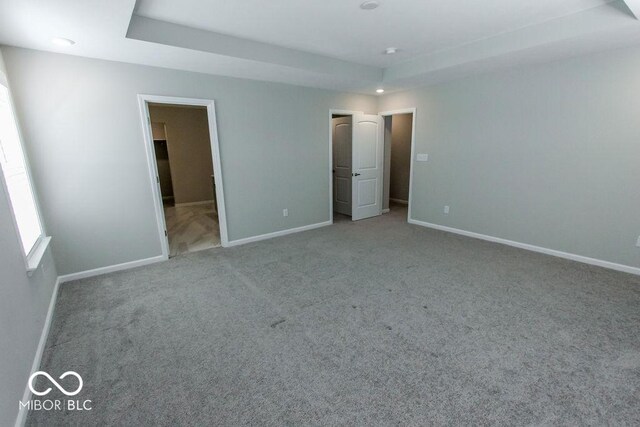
32 259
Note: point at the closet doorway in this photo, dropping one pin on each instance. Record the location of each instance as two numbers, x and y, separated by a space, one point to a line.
184 164
371 163
398 155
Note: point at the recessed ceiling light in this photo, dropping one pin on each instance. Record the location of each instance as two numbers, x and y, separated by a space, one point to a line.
62 41
391 50
369 5
380 90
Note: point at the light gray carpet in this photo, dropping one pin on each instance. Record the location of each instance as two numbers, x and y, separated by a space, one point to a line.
369 323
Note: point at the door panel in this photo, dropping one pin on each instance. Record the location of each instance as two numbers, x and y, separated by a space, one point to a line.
368 146
367 153
342 135
367 191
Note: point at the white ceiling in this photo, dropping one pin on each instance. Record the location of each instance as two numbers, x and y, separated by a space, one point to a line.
340 29
329 43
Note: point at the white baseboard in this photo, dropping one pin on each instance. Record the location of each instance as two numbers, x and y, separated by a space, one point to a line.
401 202
110 269
387 210
553 252
277 234
37 360
204 202
139 263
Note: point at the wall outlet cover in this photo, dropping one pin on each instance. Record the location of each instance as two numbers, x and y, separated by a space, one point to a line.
446 209
422 157
285 212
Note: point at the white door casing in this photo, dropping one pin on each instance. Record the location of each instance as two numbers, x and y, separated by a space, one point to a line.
342 158
143 101
367 171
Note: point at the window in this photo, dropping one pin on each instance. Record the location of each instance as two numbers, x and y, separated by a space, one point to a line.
16 177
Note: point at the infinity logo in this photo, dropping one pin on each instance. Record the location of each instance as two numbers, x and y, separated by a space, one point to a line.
42 393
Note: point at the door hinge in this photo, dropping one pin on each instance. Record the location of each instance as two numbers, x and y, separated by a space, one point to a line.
158 179
165 233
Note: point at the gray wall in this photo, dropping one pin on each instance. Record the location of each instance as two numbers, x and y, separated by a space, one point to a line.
546 155
400 159
189 145
517 154
83 124
24 302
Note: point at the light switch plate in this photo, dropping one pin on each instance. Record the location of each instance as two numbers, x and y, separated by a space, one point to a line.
422 157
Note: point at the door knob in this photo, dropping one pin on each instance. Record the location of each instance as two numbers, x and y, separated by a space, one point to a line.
356 174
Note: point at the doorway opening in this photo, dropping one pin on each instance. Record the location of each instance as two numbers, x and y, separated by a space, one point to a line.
398 135
184 163
370 163
357 152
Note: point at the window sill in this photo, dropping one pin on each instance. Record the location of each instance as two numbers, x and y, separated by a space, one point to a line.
35 257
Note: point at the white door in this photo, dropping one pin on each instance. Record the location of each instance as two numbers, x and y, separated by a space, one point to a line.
367 171
342 134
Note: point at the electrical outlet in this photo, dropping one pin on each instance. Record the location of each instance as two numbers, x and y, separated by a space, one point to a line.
446 210
285 212
638 242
